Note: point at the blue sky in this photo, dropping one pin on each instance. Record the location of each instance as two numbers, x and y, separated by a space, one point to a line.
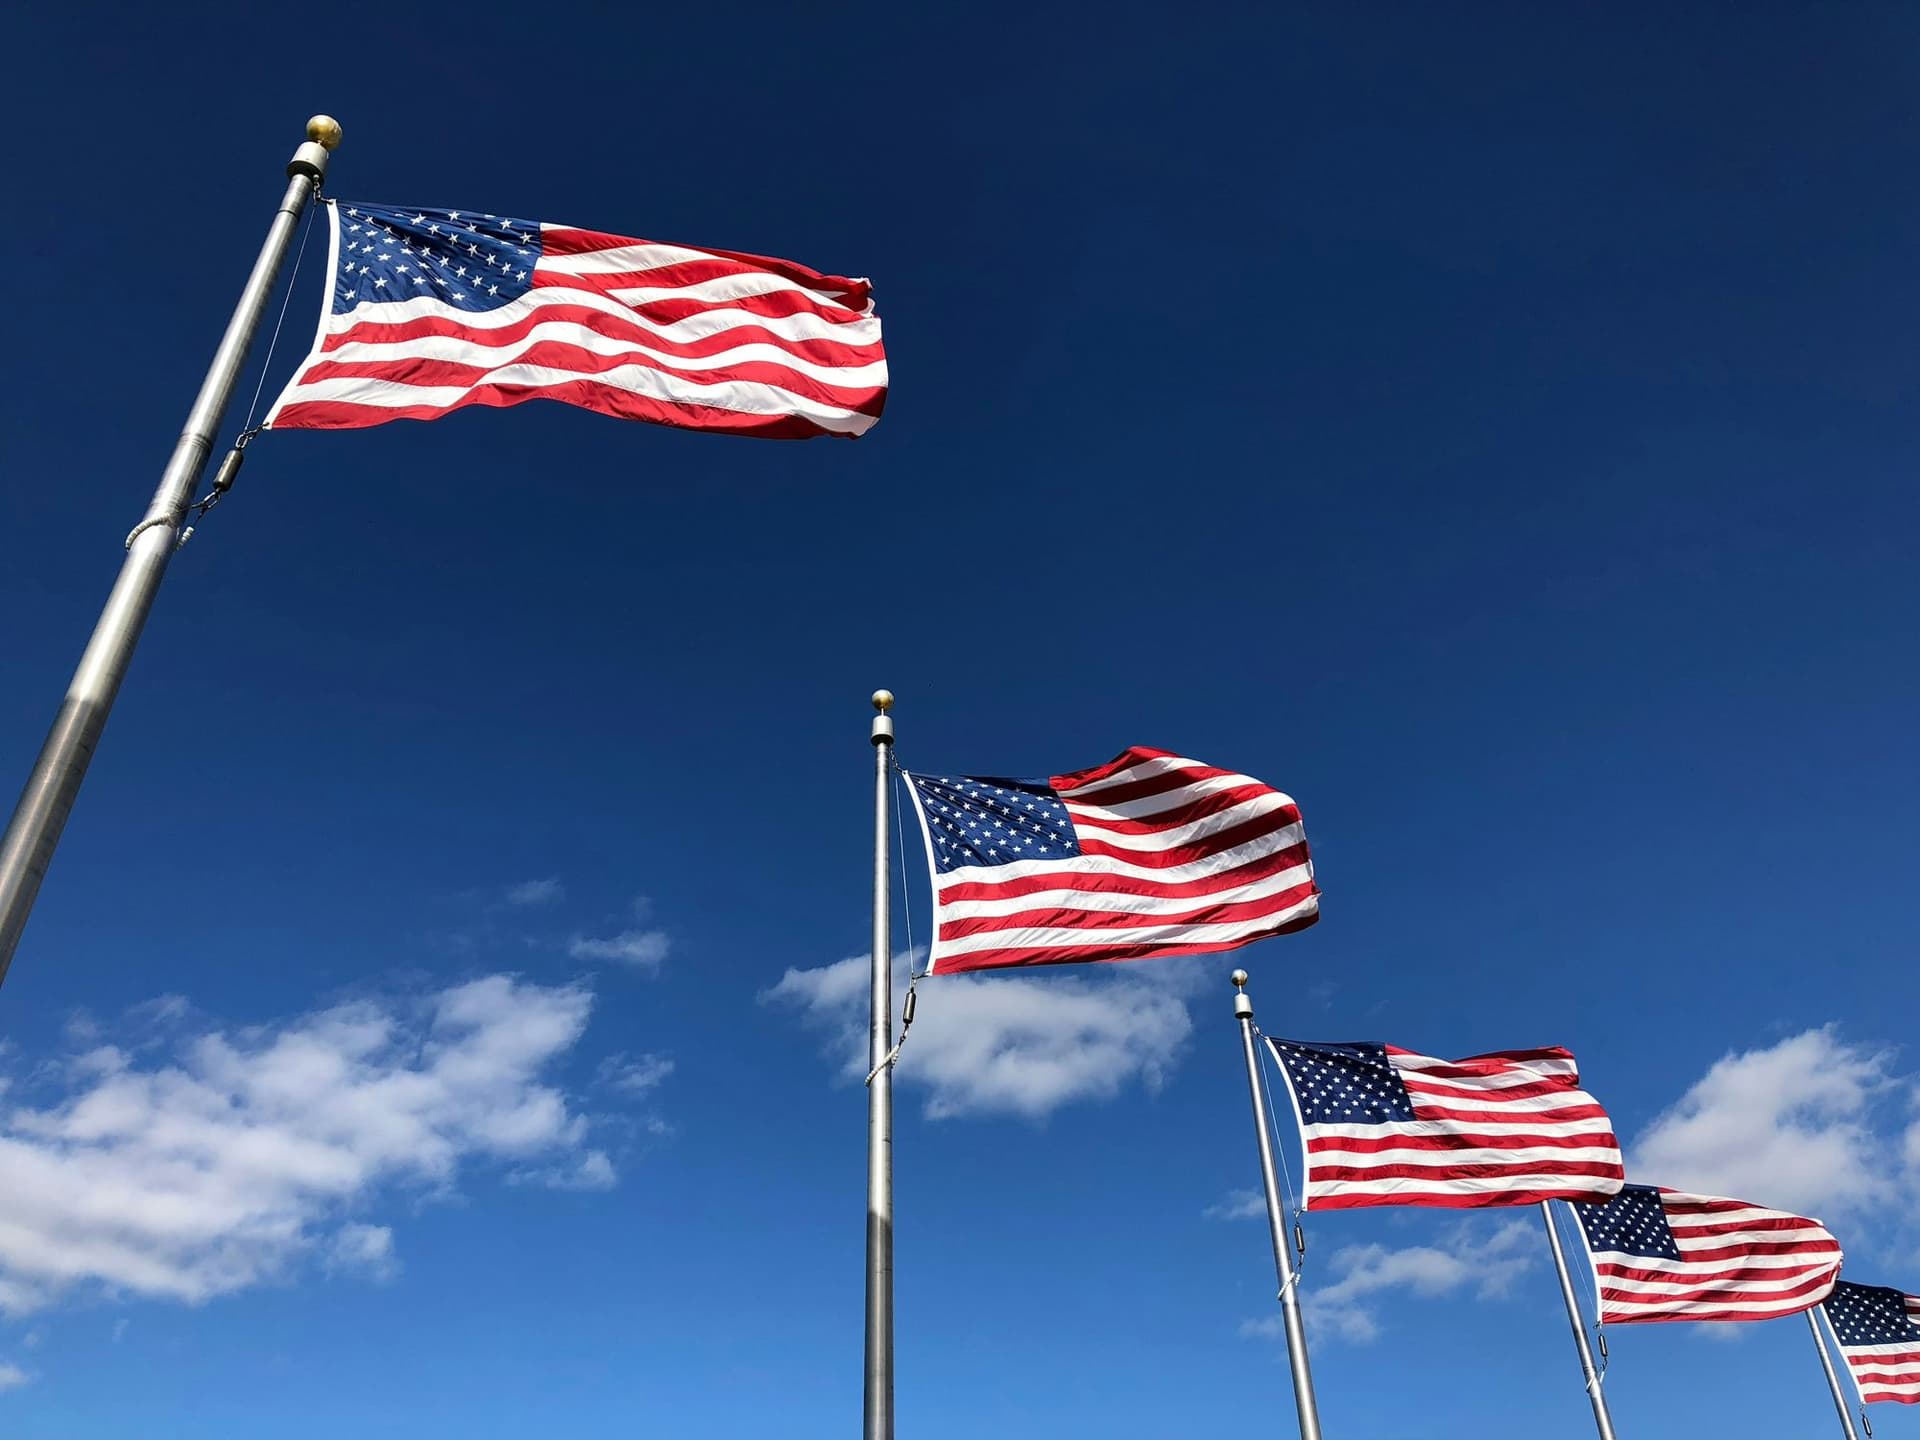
1494 427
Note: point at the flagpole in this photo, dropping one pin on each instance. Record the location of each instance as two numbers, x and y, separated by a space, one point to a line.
34 831
1601 1418
1303 1397
878 1406
1833 1378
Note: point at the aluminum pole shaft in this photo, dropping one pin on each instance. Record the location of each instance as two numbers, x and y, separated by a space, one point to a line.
878 1406
27 847
1833 1378
1601 1419
1304 1403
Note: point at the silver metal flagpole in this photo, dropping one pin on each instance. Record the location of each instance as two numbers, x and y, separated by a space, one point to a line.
27 848
879 1392
1303 1397
1833 1378
1601 1418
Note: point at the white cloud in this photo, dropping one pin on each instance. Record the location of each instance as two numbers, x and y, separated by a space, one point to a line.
633 1075
1237 1205
12 1377
591 1171
1008 1044
1792 1125
221 1159
536 892
365 1250
642 949
1486 1264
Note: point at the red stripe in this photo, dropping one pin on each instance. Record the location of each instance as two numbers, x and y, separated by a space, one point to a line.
1059 919
558 355
615 327
1598 1169
1586 1109
1075 954
1241 834
564 240
1462 1140
1418 1085
1616 1313
1438 1200
588 394
1719 1283
667 308
1498 1062
1093 882
1125 760
1213 803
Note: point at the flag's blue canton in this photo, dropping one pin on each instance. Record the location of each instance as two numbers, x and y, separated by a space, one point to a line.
993 821
1351 1084
1634 1222
1870 1315
460 257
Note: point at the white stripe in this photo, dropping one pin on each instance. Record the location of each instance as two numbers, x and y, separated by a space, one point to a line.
802 326
1615 1306
1167 799
1688 1239
1113 902
1204 868
1598 1125
621 259
1145 770
1898 1351
746 397
1685 1279
1595 1185
1086 825
1437 1107
1520 1072
1488 1087
1453 1159
566 332
721 288
1128 935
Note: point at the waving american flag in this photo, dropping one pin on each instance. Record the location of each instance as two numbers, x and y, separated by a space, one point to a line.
1665 1255
430 310
1384 1126
1879 1332
1150 854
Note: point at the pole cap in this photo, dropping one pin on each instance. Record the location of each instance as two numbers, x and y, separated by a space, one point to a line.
1239 979
324 131
883 700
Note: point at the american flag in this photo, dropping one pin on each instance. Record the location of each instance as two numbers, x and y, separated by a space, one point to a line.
429 310
1664 1255
1879 1333
1150 854
1384 1126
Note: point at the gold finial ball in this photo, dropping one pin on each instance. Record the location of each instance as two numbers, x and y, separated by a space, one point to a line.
324 131
1239 978
883 700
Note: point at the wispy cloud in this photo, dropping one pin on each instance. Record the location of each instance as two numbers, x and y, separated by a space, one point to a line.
363 1250
642 946
12 1377
1008 1044
633 1075
642 949
1237 1205
1469 1259
535 892
223 1159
